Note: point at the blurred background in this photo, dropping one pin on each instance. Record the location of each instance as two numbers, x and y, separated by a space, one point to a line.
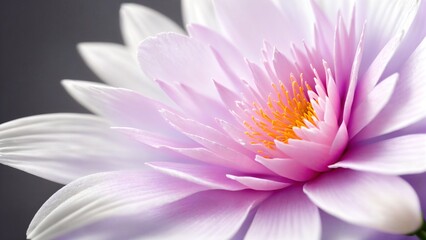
37 49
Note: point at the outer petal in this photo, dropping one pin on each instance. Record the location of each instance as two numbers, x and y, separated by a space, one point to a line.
104 196
336 229
200 12
139 22
63 147
231 56
121 107
371 106
175 58
396 156
299 13
384 19
406 105
258 21
386 203
288 214
115 65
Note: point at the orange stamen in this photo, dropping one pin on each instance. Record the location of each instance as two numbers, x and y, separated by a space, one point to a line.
277 120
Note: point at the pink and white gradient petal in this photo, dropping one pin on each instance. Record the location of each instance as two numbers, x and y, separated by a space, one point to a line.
383 202
106 195
138 22
395 156
65 146
287 214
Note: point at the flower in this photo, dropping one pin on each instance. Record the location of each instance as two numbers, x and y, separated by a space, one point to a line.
254 122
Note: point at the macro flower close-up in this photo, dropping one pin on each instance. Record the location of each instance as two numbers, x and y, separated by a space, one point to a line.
261 119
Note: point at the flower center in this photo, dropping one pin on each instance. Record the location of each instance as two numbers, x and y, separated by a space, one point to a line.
283 111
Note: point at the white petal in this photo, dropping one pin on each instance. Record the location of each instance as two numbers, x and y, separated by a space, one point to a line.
288 214
139 22
104 196
176 58
258 21
385 203
63 147
299 13
201 12
116 66
401 155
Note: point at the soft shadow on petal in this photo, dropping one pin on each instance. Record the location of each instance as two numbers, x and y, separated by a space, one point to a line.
121 107
385 203
395 156
249 28
151 207
288 214
103 196
208 176
406 106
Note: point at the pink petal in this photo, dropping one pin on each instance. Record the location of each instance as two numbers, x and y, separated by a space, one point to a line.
406 105
192 127
120 106
339 143
208 176
385 203
193 103
372 104
245 165
288 214
231 55
396 156
288 168
347 108
260 184
372 75
414 36
316 158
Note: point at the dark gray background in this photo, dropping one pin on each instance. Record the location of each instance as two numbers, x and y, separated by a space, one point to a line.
37 50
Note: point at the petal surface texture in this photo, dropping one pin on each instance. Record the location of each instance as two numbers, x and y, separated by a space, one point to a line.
142 205
64 147
386 203
288 214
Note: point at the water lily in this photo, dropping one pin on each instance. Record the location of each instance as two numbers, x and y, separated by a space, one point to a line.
267 113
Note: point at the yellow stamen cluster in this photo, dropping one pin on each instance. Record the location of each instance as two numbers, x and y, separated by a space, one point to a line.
288 110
